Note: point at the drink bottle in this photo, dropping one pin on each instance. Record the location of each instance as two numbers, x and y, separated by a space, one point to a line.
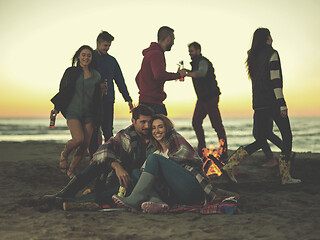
182 66
122 192
52 119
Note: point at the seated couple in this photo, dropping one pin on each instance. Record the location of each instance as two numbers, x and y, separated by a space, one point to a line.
172 169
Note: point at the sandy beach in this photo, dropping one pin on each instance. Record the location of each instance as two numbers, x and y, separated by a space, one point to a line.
267 210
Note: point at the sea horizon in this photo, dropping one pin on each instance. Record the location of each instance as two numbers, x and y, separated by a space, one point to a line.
306 131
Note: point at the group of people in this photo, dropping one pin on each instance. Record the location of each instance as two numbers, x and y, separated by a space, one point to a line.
149 158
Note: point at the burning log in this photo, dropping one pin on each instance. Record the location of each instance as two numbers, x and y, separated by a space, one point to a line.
212 159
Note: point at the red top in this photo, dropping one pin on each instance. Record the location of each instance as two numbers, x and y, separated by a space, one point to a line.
152 75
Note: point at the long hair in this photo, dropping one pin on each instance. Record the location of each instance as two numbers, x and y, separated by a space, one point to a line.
75 58
259 40
168 125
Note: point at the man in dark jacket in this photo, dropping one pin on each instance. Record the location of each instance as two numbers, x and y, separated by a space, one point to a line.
207 91
152 75
109 70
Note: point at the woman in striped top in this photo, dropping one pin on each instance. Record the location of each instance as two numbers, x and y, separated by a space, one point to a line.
264 70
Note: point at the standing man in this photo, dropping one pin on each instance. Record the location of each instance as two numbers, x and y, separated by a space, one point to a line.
207 90
152 75
109 70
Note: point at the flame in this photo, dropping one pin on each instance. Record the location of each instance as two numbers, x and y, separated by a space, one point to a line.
213 155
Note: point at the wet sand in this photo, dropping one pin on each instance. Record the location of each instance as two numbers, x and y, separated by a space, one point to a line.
267 210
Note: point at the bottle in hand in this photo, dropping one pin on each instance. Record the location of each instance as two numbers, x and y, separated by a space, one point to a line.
53 116
122 192
181 65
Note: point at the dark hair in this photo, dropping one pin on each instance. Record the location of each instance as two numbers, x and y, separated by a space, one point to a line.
164 32
168 125
195 45
75 57
141 109
105 36
259 41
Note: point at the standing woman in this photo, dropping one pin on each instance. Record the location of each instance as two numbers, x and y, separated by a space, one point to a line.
264 70
78 100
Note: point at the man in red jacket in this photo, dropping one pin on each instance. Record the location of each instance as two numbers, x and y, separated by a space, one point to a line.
152 75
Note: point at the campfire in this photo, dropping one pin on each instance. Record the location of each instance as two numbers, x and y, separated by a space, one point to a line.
211 158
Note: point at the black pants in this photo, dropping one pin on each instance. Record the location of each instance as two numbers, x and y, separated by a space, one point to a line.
158 109
106 125
269 135
261 121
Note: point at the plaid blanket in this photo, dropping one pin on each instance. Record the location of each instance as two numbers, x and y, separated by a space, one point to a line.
125 148
226 206
181 152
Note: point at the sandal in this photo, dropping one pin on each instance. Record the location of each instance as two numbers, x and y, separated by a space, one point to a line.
63 163
70 174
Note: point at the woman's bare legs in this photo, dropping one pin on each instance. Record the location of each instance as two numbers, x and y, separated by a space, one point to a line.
82 137
76 132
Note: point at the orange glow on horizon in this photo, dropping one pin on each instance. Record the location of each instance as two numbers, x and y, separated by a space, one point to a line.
31 110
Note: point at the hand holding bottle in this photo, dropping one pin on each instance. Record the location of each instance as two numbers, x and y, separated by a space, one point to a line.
53 115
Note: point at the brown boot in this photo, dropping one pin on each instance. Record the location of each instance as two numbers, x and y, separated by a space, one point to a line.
234 161
284 167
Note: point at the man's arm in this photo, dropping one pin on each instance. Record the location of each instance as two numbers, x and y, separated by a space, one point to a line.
158 67
119 79
201 72
123 176
110 152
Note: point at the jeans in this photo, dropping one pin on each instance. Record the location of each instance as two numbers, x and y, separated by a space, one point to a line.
261 121
184 186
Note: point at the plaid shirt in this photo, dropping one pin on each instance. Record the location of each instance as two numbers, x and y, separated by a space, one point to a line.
181 152
125 148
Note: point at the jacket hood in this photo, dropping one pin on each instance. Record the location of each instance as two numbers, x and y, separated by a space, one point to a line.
153 47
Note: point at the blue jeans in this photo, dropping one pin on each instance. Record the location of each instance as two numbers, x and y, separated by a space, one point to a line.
184 186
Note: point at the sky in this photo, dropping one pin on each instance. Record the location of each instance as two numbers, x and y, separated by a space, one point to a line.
39 38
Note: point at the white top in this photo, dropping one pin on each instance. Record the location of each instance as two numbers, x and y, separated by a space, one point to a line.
164 154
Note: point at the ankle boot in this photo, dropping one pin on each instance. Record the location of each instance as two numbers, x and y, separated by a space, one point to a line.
139 194
234 161
284 167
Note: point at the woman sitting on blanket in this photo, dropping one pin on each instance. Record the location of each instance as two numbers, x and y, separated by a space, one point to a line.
176 164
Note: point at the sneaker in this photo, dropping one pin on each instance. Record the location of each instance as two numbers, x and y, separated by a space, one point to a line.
152 207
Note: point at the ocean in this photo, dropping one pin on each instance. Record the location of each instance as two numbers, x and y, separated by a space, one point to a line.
306 131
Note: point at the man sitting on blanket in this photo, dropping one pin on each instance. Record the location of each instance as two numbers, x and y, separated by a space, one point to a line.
113 162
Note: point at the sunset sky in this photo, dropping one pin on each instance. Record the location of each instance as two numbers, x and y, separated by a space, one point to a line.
39 38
